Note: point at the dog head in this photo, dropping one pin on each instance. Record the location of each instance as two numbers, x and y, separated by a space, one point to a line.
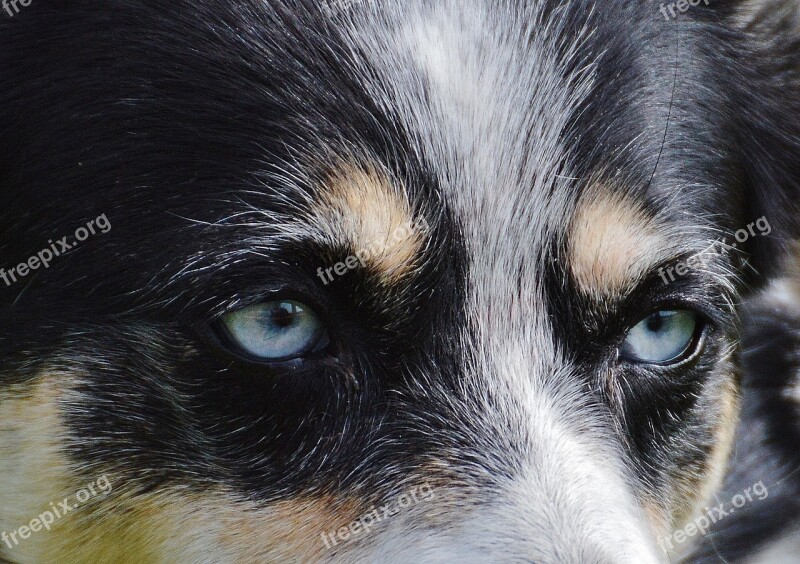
435 281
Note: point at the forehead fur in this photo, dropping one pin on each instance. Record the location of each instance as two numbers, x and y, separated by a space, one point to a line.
613 243
368 211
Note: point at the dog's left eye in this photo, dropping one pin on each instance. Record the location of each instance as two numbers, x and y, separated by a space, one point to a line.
276 331
663 337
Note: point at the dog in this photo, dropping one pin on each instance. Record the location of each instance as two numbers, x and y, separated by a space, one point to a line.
509 380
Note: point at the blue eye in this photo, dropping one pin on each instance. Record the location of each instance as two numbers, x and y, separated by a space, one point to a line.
661 338
275 331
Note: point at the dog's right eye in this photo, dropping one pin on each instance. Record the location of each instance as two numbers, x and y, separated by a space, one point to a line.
664 337
275 331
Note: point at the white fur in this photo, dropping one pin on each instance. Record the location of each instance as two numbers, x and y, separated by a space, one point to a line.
483 89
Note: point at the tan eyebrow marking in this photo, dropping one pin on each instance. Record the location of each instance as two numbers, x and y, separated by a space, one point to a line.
369 211
613 243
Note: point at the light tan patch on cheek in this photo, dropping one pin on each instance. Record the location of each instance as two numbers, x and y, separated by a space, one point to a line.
289 530
612 243
30 449
726 432
692 492
695 492
657 518
213 527
369 212
701 489
33 470
186 524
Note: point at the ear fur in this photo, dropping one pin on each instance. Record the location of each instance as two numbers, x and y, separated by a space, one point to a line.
763 76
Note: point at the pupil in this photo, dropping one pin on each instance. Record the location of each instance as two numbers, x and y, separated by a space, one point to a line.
283 315
655 323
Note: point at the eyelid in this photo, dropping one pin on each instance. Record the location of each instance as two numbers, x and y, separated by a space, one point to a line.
284 292
715 303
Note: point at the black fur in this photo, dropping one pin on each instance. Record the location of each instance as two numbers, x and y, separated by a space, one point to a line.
768 439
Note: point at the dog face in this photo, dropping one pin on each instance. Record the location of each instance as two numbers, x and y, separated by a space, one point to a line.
434 281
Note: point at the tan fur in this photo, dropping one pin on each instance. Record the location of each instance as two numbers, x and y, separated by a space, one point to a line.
698 489
34 470
180 526
612 243
175 525
368 211
730 404
656 517
125 527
